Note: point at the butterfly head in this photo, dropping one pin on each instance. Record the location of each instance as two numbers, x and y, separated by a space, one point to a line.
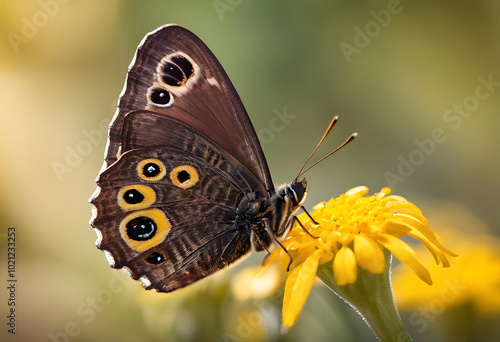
297 192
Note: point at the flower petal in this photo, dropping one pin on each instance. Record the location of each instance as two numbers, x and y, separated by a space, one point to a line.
357 191
436 253
345 268
426 231
369 254
298 285
406 255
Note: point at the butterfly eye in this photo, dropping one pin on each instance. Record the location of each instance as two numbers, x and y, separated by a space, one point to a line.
160 97
155 258
151 169
137 196
297 192
144 229
184 176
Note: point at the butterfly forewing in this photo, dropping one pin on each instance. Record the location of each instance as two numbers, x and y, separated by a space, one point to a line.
175 74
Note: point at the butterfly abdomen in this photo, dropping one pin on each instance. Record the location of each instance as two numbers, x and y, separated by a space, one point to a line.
249 220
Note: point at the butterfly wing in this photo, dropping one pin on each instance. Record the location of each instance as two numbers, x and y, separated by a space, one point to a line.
175 74
182 157
168 214
147 129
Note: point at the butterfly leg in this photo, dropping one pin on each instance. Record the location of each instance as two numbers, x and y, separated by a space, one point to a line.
295 218
275 241
266 257
307 213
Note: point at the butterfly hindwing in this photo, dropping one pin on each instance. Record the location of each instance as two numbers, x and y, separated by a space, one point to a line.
175 227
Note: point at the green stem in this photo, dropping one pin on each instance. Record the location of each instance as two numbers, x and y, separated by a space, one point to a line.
371 296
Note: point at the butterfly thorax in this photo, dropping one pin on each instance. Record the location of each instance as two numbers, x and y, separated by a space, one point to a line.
265 216
286 202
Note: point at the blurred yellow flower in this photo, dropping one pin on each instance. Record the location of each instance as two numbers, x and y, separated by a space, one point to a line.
253 283
353 230
474 279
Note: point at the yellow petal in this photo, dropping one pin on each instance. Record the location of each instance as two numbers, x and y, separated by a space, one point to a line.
318 206
369 254
406 255
396 228
426 231
298 285
269 258
436 253
345 269
357 191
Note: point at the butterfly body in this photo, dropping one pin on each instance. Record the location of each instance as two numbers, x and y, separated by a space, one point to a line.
185 190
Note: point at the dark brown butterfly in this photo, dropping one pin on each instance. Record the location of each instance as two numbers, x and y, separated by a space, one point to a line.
185 189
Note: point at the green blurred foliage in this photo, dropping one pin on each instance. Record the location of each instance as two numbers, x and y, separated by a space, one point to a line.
63 64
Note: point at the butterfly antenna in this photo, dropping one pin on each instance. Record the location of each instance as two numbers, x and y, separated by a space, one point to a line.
332 123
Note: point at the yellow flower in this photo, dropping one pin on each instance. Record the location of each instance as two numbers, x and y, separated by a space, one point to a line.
253 283
352 231
473 280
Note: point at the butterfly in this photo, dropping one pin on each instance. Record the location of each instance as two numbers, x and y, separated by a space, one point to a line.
185 189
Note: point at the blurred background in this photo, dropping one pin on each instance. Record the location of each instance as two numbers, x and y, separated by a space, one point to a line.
418 80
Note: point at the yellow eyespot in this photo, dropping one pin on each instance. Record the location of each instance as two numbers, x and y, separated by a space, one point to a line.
144 229
135 197
151 169
184 176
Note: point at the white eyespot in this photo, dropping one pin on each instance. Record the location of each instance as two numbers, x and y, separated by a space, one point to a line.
159 96
177 84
